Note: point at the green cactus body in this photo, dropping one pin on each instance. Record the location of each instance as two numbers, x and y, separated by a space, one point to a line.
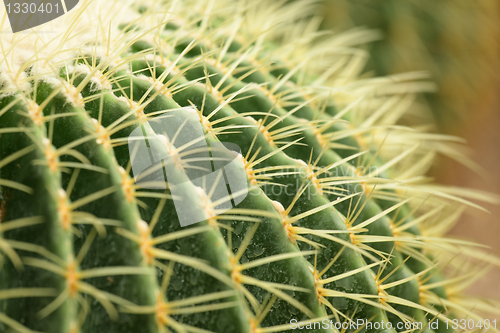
331 228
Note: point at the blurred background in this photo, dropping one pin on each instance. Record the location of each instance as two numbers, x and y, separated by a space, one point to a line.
458 43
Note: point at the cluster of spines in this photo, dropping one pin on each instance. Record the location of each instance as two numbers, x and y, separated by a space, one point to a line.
70 126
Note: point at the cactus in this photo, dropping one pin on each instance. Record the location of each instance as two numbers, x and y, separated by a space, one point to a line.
456 41
287 193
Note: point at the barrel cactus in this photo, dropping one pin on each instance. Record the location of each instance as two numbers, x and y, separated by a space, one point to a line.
214 166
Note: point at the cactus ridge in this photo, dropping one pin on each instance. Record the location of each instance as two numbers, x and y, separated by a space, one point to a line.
338 222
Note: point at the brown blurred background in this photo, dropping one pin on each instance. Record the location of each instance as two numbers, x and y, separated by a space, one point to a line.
483 135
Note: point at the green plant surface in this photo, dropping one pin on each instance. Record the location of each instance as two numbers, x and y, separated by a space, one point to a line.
339 224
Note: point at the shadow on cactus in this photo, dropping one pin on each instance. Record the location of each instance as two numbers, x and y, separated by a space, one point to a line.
332 225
